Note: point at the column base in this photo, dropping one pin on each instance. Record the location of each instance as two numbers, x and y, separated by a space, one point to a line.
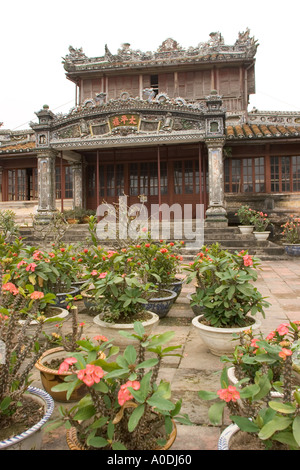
216 217
44 217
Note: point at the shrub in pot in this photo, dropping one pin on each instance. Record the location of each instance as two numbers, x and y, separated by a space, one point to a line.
19 352
126 408
273 421
225 291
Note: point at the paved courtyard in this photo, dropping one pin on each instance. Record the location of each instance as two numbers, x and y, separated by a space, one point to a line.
198 369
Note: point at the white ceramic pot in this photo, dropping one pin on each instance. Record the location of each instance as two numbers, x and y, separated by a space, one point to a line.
220 340
226 436
246 229
261 235
31 439
111 330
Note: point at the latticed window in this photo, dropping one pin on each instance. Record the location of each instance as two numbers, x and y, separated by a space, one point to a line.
285 174
245 175
64 182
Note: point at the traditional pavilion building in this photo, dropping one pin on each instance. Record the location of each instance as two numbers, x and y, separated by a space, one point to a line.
170 126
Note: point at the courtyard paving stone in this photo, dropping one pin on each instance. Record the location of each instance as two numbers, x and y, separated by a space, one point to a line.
198 368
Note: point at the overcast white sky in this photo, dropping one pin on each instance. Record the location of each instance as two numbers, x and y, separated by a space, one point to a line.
36 34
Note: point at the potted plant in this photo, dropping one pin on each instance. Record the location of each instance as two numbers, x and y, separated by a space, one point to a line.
48 270
267 421
122 299
52 372
254 353
72 216
159 263
291 236
126 408
261 223
20 404
225 291
245 215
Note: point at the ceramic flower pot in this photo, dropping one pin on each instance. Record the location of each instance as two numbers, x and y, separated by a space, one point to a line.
226 436
31 439
74 444
111 330
50 377
161 305
246 229
49 326
261 235
292 250
220 340
61 297
176 287
196 308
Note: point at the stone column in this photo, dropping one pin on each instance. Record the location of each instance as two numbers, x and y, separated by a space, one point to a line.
77 185
216 212
46 185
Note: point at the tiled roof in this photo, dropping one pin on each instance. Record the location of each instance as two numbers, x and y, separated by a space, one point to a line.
20 147
260 131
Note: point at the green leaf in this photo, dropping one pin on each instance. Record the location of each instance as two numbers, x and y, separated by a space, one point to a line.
118 446
130 354
215 412
245 424
207 395
85 413
148 363
161 403
97 442
296 429
277 424
5 403
282 407
286 438
135 417
110 430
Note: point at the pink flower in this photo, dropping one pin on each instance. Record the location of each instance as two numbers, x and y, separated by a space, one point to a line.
65 365
37 255
283 329
144 229
284 353
10 287
253 342
102 275
37 295
31 267
229 394
124 394
21 264
164 250
100 338
91 374
271 335
247 260
94 272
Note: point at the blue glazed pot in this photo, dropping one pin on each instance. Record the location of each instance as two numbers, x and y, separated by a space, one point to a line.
175 286
61 298
31 439
161 305
292 250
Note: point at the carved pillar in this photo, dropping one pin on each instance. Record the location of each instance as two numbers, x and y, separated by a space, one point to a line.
46 184
77 185
216 212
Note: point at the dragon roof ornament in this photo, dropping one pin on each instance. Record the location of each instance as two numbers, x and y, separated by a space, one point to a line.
168 52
